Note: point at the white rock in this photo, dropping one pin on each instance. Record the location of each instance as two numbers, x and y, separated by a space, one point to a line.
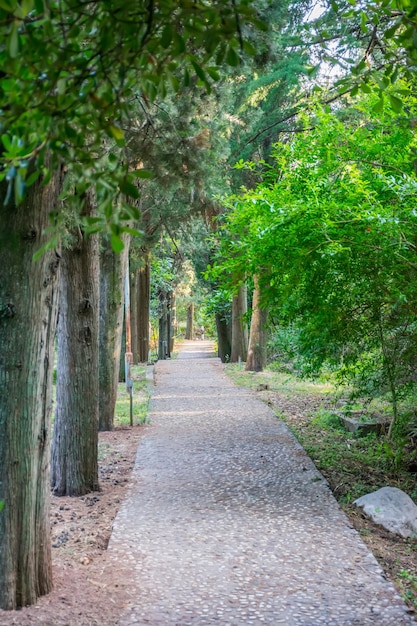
391 508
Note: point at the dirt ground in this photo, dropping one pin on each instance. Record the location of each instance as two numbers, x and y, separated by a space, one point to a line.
86 594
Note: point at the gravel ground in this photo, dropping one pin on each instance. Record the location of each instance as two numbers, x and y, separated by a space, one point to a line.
228 522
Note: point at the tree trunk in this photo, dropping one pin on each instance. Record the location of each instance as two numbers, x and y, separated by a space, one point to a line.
223 338
75 438
239 326
143 305
28 311
122 360
189 330
169 332
163 343
256 360
173 322
113 269
134 295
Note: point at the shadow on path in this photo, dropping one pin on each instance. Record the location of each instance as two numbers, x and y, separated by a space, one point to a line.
229 523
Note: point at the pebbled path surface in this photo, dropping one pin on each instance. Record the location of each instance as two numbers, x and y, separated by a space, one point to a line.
228 522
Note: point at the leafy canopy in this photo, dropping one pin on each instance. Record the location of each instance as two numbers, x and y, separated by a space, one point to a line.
73 72
331 230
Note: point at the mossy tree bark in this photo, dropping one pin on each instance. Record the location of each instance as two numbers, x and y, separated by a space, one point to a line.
256 360
189 329
75 437
164 342
239 348
28 311
113 267
134 287
142 309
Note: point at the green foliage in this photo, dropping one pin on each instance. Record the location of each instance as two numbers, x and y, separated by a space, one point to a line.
73 76
268 89
408 585
326 419
372 45
331 232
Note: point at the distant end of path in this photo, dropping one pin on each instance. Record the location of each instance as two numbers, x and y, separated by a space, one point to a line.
190 349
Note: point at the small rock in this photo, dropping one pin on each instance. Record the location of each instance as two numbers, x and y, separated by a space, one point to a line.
85 560
391 508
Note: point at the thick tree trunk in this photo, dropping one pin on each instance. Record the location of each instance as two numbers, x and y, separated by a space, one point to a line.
28 311
143 305
189 330
223 338
113 269
256 360
239 326
75 437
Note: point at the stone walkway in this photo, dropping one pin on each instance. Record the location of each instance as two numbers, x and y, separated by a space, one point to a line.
228 521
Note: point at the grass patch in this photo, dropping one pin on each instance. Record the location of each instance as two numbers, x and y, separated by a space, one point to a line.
140 397
276 381
407 583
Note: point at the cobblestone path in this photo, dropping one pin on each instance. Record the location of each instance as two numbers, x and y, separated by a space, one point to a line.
228 522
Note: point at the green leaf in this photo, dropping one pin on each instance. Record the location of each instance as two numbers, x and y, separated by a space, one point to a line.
61 86
379 106
390 32
129 189
32 178
116 243
179 44
13 42
365 88
249 48
198 70
5 139
166 36
260 24
8 5
24 8
175 83
130 212
133 231
396 103
232 58
117 133
213 72
1 504
142 174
